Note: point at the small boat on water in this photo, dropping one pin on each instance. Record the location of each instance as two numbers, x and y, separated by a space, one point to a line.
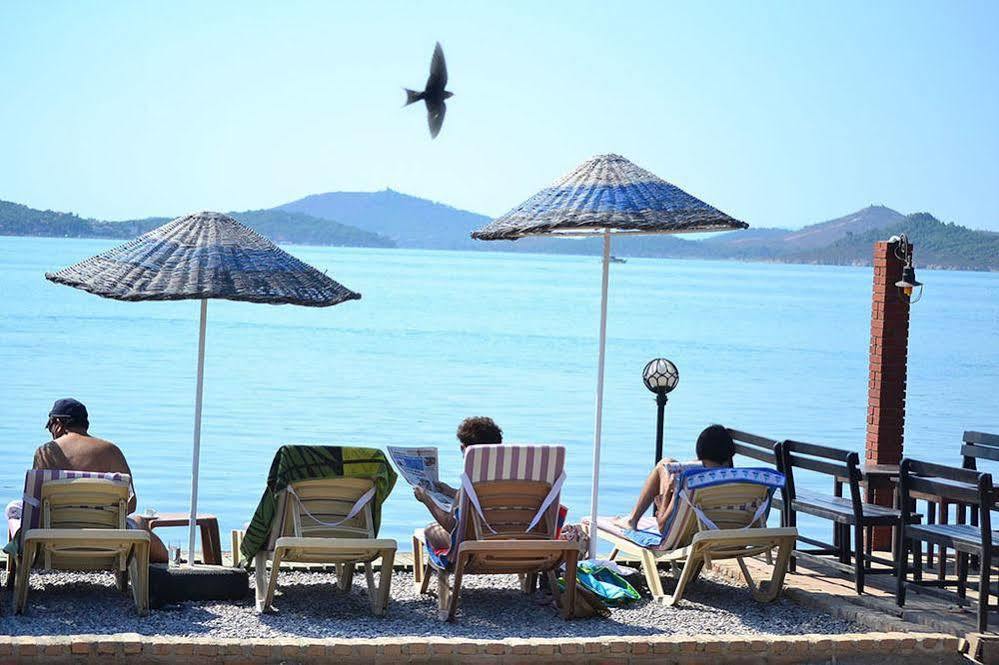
617 259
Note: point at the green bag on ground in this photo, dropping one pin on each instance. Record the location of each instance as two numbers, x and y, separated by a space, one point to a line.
605 583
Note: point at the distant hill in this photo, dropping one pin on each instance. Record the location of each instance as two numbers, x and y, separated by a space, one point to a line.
391 219
768 243
937 245
408 220
278 225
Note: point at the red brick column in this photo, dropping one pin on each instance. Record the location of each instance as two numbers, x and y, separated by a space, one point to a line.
889 356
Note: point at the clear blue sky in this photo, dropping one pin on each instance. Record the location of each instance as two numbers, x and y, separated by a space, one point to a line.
781 114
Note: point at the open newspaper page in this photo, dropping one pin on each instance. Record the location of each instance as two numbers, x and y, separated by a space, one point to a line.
419 467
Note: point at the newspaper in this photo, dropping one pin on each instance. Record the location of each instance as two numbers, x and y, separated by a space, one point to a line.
419 467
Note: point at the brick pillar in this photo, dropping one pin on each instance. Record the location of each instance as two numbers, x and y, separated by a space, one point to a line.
886 386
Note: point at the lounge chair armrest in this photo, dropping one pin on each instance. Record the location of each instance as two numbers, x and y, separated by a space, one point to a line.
338 543
507 545
133 535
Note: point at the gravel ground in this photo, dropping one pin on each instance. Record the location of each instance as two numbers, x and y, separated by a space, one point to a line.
491 608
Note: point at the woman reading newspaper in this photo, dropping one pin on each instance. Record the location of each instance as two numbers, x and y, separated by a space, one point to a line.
471 431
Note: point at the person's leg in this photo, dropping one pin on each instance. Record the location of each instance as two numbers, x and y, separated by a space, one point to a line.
157 550
656 485
437 536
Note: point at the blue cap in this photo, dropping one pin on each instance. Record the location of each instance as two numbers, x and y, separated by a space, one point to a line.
69 409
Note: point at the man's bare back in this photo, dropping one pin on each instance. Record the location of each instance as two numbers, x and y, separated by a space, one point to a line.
82 452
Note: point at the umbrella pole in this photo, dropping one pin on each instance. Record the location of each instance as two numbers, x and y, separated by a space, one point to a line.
598 423
197 434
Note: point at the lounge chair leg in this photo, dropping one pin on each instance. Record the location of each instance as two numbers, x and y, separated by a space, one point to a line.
689 566
569 597
385 582
418 571
260 579
345 576
452 609
138 573
442 595
769 590
652 576
272 582
23 578
613 554
425 584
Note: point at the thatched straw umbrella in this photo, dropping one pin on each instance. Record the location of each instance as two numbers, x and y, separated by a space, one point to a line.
197 257
607 195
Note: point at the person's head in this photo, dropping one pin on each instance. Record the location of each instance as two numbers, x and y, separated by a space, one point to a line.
715 445
67 415
477 430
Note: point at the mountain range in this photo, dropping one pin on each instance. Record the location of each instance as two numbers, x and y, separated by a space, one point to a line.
391 219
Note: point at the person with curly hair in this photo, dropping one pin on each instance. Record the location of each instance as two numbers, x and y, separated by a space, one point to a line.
471 431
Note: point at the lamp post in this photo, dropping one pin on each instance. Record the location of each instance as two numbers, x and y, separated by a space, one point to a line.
660 376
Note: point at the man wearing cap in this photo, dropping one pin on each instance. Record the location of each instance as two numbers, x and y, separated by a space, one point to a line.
73 448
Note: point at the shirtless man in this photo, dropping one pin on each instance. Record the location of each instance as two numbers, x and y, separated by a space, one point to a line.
73 448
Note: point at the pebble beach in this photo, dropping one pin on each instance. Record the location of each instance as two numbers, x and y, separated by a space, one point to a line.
492 607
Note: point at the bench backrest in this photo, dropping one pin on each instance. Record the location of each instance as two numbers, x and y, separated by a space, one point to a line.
754 446
959 486
979 445
842 465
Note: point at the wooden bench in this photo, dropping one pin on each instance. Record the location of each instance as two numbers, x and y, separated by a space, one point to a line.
975 446
963 487
846 513
762 449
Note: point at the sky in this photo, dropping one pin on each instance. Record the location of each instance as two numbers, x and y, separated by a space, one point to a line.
779 113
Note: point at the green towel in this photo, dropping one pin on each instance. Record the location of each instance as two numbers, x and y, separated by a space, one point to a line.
294 463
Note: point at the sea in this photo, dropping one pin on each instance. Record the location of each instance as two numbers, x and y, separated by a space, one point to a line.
778 350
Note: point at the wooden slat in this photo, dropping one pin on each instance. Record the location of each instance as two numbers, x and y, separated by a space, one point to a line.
961 492
922 468
982 438
979 451
819 466
816 450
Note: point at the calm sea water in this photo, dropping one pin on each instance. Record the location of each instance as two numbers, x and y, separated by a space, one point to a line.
774 349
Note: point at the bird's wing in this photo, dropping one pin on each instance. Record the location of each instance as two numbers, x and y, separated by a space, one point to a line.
438 70
435 118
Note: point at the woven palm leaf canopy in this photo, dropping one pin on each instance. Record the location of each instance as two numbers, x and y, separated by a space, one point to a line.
197 257
605 196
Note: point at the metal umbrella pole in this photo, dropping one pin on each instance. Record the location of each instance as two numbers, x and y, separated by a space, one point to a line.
592 553
195 461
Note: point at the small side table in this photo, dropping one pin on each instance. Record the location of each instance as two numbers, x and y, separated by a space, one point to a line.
211 544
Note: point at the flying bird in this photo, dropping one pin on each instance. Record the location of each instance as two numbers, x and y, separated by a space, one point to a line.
434 94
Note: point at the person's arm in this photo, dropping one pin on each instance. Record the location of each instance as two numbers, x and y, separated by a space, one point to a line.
133 499
446 489
443 517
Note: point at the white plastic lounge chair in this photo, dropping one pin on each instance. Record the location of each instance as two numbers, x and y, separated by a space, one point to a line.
76 520
719 513
327 521
507 523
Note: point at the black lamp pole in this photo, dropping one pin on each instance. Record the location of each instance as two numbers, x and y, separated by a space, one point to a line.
661 400
660 376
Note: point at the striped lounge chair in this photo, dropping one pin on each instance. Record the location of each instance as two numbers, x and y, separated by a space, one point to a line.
508 509
718 513
76 520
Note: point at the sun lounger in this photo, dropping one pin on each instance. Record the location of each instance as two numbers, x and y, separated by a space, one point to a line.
76 520
323 520
507 523
718 514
